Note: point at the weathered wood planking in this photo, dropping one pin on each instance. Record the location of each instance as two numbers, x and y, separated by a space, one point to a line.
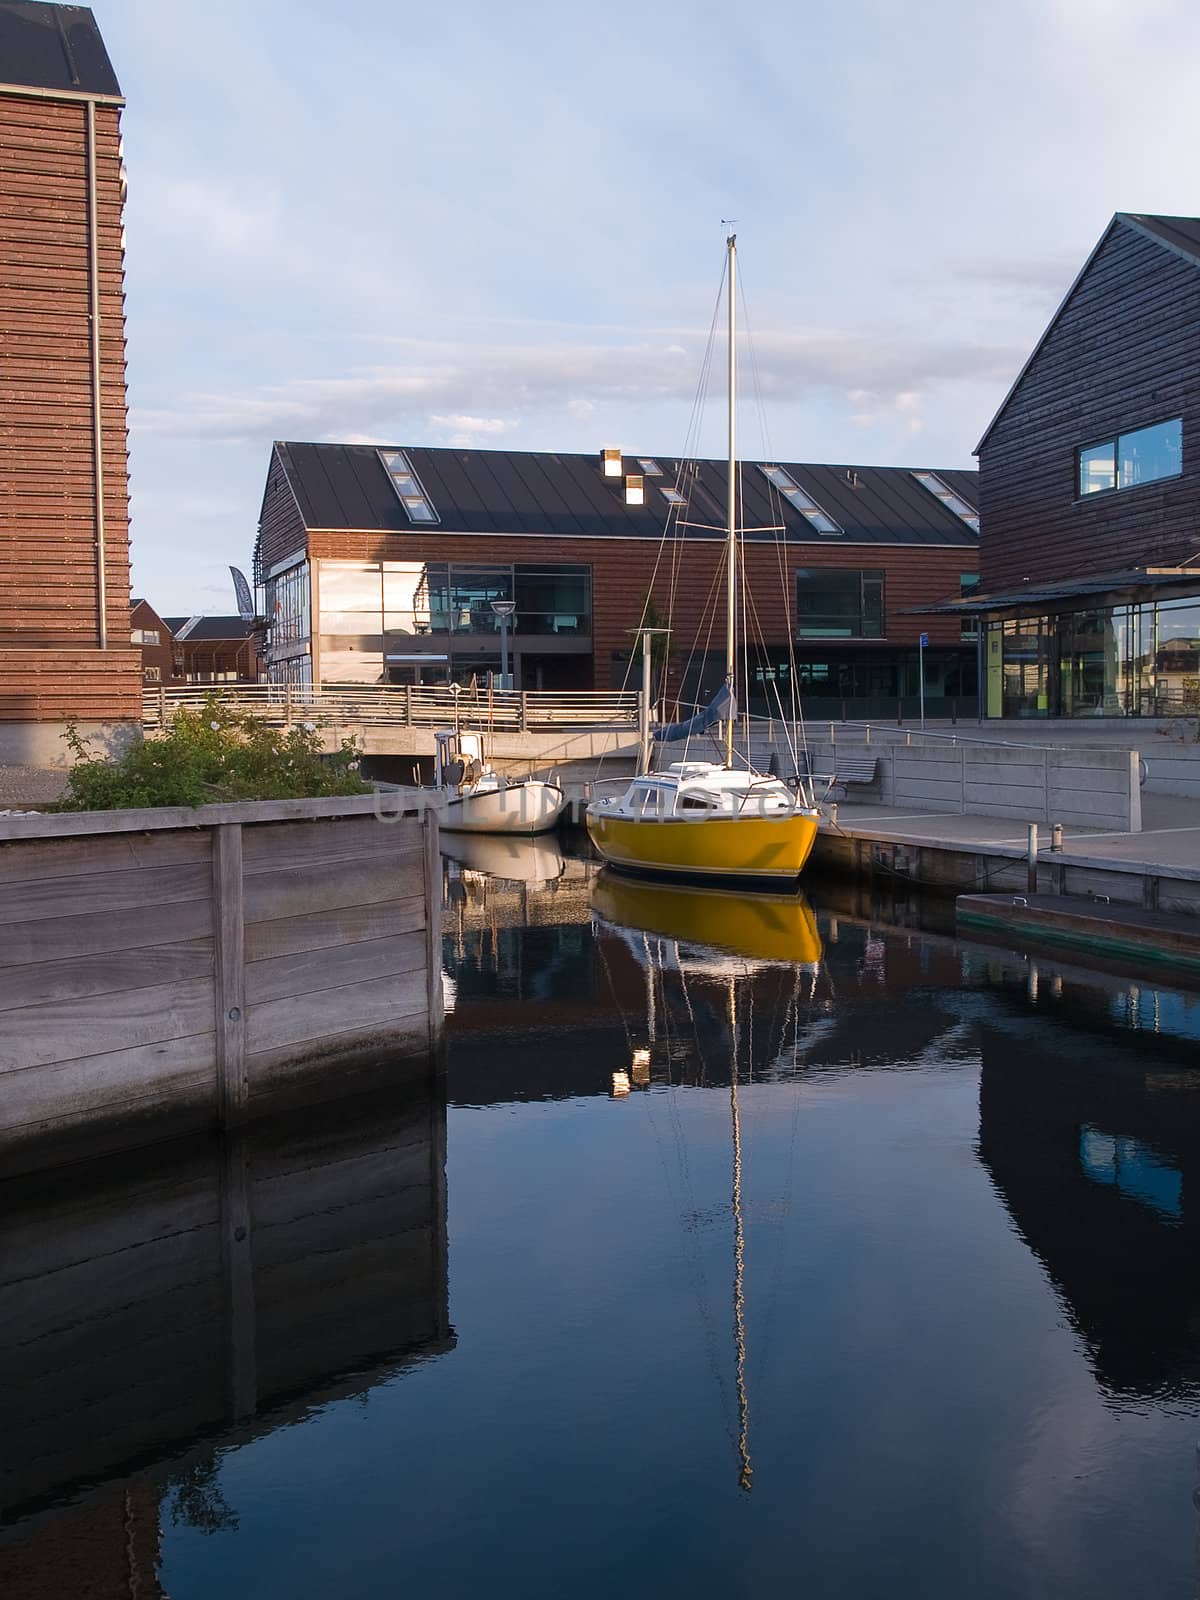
321 930
49 609
125 1314
197 970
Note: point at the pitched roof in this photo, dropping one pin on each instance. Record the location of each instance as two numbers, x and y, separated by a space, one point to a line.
1182 234
343 486
208 629
1178 234
54 47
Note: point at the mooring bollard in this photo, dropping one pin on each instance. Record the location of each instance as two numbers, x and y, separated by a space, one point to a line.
833 814
1056 836
1032 877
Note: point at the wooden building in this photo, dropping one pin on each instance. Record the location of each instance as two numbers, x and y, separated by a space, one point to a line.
149 633
384 566
65 651
1089 482
215 650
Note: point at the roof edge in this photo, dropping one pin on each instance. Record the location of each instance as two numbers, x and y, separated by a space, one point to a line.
33 92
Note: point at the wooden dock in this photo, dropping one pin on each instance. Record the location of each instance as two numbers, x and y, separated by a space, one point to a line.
1098 925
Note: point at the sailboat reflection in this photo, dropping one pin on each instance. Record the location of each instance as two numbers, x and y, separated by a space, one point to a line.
761 928
510 856
707 955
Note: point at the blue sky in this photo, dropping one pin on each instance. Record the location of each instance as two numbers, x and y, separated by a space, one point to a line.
500 225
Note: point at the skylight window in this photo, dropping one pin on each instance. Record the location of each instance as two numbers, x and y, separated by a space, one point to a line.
952 502
801 499
649 466
673 497
408 486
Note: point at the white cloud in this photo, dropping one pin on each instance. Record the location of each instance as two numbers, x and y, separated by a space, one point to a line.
889 372
472 426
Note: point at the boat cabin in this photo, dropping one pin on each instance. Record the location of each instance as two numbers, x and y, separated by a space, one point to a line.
697 789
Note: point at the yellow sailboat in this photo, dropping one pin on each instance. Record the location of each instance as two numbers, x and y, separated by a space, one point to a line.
708 820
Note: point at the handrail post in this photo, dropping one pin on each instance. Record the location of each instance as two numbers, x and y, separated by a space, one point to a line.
408 705
1031 852
287 705
524 711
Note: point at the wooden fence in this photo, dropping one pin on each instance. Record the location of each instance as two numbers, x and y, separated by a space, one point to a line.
164 968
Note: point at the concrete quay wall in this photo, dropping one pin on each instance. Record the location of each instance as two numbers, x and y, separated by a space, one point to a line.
983 867
1091 788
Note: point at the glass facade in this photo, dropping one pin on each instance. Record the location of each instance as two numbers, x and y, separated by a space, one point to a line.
379 622
1135 660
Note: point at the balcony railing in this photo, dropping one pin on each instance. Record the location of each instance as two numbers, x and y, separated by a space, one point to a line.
404 706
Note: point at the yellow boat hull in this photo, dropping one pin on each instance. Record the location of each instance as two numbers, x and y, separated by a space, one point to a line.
766 849
762 927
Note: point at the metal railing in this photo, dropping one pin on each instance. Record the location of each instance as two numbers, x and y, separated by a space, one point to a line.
407 706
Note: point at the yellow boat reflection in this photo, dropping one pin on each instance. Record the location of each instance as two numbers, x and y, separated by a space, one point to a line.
760 927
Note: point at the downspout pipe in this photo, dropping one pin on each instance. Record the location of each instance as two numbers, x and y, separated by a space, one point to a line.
97 421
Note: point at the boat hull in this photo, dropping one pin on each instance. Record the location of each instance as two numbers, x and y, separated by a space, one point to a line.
765 850
526 808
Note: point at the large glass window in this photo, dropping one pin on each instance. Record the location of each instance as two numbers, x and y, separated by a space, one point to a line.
288 607
839 603
369 609
1143 456
1176 650
1126 660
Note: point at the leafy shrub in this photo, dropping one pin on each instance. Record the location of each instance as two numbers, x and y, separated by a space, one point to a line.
211 755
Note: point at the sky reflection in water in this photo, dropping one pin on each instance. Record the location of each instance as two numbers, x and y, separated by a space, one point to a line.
970 1333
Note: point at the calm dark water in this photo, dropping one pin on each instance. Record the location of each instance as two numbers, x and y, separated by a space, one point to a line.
872 1273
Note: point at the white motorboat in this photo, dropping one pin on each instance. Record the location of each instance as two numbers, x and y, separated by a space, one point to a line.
473 798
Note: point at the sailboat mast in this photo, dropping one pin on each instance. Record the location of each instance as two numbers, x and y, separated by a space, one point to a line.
731 549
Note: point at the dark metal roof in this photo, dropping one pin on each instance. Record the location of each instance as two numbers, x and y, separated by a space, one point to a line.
1134 583
208 629
538 492
54 47
1180 234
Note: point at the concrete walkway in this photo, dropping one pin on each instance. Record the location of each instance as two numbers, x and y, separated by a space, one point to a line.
1170 833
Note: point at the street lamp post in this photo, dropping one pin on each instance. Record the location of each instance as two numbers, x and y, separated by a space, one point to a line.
504 610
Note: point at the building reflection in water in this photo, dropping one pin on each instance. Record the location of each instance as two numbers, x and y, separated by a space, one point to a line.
159 1308
1092 1136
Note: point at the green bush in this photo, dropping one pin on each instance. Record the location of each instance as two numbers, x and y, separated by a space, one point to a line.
211 755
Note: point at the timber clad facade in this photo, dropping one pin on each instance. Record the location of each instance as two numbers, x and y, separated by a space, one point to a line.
357 591
1123 353
1090 493
65 650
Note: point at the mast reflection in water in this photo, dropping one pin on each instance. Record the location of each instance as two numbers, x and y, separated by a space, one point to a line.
898 1231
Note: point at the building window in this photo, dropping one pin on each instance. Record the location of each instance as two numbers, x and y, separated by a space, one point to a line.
288 607
144 636
968 583
408 486
152 674
1130 459
800 499
839 603
952 502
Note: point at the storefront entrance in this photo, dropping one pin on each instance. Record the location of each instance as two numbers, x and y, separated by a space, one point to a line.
1121 661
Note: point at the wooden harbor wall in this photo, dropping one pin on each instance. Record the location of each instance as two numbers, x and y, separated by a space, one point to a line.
155 1298
161 970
